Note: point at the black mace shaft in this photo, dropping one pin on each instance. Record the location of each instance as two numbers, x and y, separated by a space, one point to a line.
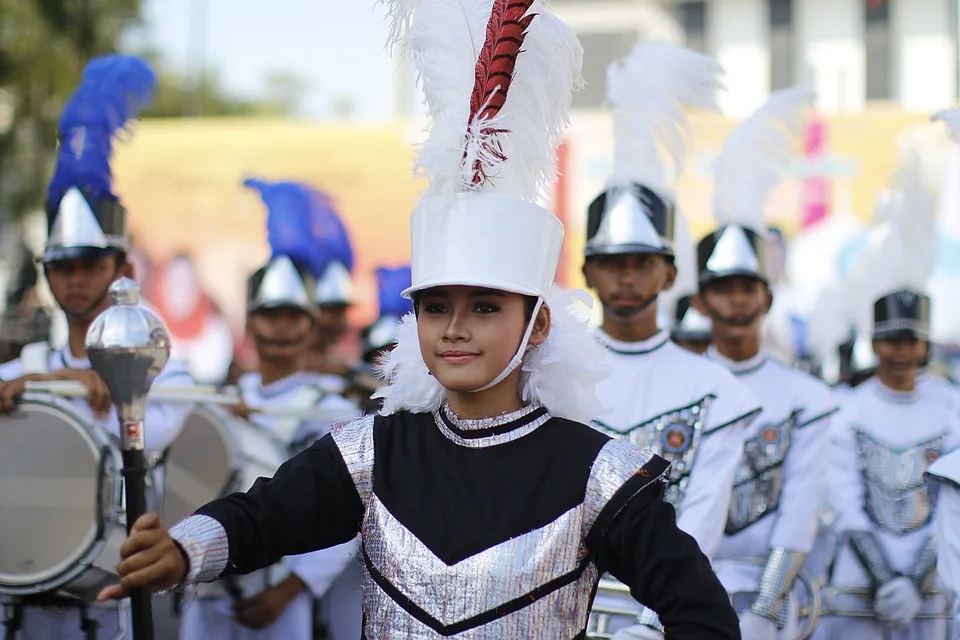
135 488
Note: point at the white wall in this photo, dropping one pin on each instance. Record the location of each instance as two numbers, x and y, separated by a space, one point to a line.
737 32
924 76
830 52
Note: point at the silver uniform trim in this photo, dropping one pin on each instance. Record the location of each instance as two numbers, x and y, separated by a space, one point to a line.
925 568
674 435
495 577
782 569
561 614
482 424
759 479
868 551
617 462
205 542
354 439
896 496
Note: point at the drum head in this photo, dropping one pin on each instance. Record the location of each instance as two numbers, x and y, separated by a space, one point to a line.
199 465
49 481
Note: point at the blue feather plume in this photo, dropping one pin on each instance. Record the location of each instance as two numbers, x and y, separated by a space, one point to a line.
333 240
390 282
113 91
289 222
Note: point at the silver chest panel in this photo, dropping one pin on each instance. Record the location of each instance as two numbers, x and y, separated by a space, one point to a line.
759 478
895 493
674 435
478 585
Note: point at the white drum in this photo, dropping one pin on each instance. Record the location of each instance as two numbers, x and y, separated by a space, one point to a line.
215 454
61 502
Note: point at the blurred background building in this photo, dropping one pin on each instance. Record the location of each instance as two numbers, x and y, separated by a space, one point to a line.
306 90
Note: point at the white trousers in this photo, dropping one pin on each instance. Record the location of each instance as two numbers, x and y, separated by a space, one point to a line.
837 628
208 618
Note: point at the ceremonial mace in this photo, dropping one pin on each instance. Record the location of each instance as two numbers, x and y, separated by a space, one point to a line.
128 346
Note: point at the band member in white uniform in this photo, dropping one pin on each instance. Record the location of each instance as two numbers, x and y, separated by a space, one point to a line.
85 252
278 601
689 410
889 430
945 474
773 516
488 507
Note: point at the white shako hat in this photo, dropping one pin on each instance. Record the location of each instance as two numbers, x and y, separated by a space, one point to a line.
497 109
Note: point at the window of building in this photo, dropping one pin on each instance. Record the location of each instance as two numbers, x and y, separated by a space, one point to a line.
781 43
877 48
600 49
693 19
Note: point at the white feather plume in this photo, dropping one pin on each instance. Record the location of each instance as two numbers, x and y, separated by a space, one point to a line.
951 117
562 374
827 324
756 155
902 249
445 38
649 91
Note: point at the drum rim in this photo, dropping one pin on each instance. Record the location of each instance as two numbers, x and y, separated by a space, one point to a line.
221 420
93 542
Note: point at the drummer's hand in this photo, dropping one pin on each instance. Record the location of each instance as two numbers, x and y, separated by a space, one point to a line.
240 410
149 558
97 393
263 609
11 391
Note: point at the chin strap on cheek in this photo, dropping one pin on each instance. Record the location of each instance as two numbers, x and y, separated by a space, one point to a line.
521 351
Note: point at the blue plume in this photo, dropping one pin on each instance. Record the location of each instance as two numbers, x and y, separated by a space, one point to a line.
289 222
390 283
333 240
113 90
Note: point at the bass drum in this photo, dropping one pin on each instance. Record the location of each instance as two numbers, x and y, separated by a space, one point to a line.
215 454
62 515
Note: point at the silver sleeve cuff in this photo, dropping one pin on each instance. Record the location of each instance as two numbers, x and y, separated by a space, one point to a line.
783 567
925 567
204 540
649 618
864 544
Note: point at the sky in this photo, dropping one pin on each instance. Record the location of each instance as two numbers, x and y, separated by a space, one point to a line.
337 47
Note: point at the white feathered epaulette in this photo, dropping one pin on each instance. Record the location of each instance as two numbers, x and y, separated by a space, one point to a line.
649 91
562 374
756 155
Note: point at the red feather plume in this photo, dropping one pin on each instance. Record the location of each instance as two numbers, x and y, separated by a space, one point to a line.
506 30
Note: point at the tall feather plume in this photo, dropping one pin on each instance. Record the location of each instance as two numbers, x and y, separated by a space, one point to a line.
649 92
756 155
113 91
902 250
497 78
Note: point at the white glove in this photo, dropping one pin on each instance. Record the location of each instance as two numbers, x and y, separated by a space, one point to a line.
638 632
898 602
756 627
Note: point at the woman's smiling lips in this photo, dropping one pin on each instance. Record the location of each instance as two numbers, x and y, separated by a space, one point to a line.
458 357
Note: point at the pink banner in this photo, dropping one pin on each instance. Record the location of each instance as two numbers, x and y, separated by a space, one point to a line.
816 188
